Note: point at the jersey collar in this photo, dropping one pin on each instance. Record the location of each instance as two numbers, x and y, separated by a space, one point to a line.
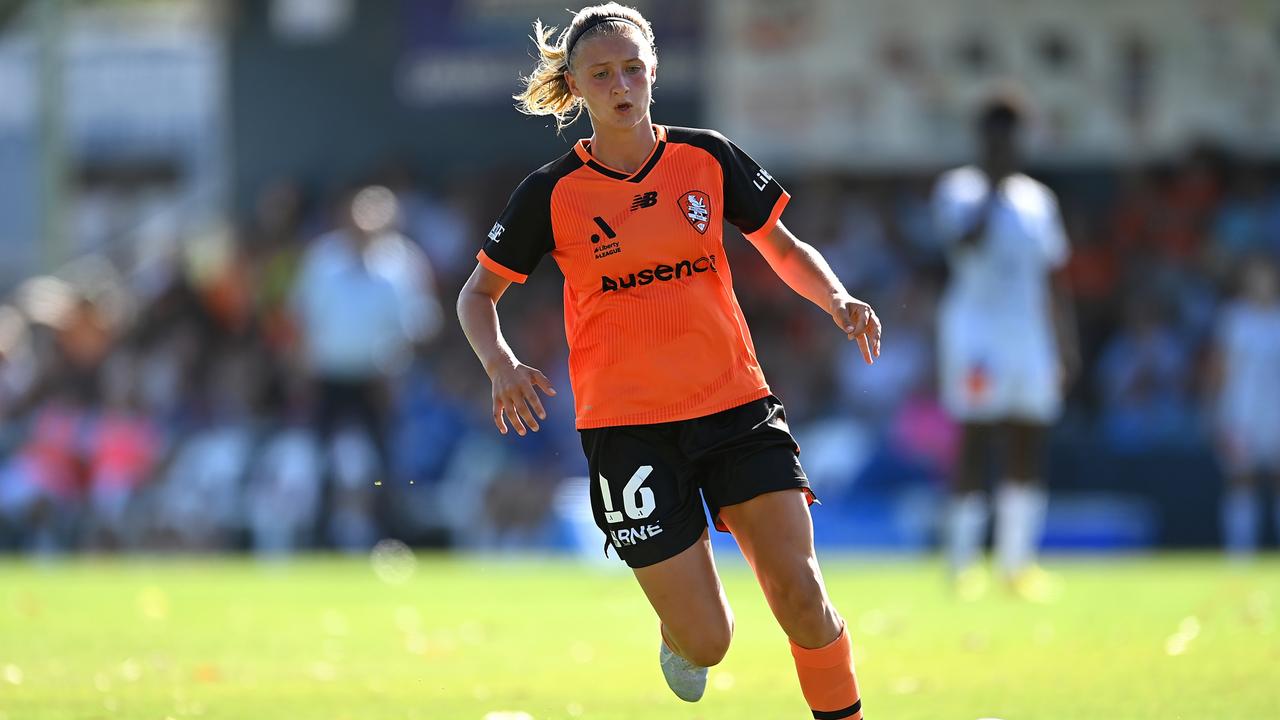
582 148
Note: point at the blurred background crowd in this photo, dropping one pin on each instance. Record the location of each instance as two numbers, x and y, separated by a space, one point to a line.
234 233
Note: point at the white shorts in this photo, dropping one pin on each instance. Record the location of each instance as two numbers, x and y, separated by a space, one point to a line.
1250 446
987 387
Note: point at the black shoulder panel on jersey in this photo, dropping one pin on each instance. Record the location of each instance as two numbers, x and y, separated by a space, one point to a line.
750 192
558 168
522 234
709 140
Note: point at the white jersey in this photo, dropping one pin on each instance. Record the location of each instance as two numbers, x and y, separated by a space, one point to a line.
1249 404
360 310
996 336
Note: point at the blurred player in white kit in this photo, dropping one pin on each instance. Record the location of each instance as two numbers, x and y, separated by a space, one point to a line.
1246 373
1006 350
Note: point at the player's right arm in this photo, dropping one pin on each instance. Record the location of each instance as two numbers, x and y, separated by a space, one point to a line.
516 243
514 397
978 229
963 203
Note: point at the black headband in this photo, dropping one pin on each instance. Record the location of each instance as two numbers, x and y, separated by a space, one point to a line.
597 20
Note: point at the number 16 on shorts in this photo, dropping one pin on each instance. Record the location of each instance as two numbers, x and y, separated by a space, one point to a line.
637 501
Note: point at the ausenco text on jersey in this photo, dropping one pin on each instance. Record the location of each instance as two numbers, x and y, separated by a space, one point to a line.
661 272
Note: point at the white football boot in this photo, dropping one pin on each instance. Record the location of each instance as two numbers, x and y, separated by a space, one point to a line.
686 680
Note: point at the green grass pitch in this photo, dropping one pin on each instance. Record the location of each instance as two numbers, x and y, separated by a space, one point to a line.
465 638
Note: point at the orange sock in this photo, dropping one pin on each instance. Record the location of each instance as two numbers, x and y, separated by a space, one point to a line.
827 679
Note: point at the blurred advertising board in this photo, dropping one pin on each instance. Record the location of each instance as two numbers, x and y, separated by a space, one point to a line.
875 84
469 52
138 93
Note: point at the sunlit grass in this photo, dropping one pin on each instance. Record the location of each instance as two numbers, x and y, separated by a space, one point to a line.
462 638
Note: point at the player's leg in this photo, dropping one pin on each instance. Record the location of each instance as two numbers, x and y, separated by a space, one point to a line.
756 489
686 593
1240 522
965 528
775 533
370 410
972 389
644 496
1251 455
696 621
1021 503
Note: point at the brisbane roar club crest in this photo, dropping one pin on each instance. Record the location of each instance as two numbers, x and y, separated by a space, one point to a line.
697 209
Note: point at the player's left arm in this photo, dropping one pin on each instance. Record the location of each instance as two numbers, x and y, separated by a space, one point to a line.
1064 327
806 272
1061 307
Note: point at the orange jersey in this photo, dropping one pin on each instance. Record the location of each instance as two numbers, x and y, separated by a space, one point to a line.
655 331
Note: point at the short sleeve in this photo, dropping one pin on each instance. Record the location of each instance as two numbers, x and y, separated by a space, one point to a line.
522 234
956 199
753 199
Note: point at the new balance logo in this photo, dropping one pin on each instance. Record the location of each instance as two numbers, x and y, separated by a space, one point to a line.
496 232
644 200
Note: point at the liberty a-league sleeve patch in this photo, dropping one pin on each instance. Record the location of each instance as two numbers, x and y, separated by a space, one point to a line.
522 234
750 192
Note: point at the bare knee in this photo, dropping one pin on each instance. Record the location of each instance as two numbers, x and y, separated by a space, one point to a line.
707 645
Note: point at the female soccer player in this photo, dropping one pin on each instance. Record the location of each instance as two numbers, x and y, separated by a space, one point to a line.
669 396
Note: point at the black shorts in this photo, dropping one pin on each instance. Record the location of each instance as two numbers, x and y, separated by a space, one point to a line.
645 478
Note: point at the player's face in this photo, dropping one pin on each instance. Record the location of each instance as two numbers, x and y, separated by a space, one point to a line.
1000 149
614 75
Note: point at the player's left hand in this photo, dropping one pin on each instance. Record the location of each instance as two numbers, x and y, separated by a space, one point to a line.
859 322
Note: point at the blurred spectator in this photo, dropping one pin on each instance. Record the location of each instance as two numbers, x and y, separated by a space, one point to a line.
283 495
875 393
125 446
84 339
42 483
265 384
1248 221
1246 376
199 508
200 500
365 301
18 365
1144 376
1165 212
275 240
436 224
861 254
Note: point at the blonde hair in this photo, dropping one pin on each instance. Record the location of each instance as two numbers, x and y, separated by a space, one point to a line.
546 92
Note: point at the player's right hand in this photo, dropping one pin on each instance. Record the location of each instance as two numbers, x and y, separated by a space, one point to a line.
515 399
859 322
